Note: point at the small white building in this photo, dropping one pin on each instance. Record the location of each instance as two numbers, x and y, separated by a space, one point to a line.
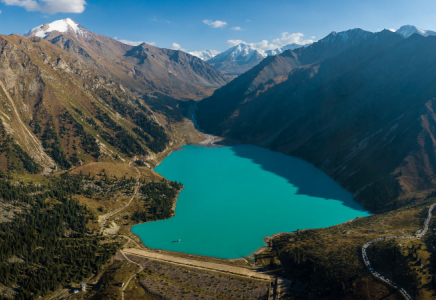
83 286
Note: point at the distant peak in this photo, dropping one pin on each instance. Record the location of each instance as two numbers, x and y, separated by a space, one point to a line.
63 26
410 27
408 30
205 54
345 36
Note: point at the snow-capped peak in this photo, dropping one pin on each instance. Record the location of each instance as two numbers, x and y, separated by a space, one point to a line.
205 54
408 30
274 51
63 26
243 52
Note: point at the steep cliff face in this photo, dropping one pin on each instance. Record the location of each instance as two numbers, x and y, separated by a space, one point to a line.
363 112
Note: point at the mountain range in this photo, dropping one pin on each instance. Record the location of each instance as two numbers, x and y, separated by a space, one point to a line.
188 76
241 58
70 96
357 104
297 102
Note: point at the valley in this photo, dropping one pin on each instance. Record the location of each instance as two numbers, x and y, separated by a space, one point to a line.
306 154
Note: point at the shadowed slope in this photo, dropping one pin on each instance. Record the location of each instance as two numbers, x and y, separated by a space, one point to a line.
365 116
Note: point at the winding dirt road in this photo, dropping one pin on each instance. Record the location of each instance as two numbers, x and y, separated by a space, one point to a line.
128 281
103 222
417 235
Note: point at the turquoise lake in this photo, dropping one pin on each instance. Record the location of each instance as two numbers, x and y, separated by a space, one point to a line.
235 196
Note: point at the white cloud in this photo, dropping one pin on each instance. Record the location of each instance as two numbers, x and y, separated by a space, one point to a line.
296 38
215 24
264 45
232 43
49 6
284 40
236 28
0 11
176 46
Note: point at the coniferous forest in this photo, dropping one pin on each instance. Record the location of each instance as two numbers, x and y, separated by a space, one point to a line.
159 198
47 245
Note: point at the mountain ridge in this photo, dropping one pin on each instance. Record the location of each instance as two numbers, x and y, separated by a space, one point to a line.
110 55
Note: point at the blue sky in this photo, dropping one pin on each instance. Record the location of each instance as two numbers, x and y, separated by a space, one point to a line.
217 24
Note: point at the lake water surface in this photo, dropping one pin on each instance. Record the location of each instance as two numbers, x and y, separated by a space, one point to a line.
235 196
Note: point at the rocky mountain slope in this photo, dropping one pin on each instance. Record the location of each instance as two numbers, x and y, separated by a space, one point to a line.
359 105
69 97
63 112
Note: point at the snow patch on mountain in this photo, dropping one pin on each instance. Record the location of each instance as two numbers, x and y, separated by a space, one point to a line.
63 26
205 54
240 54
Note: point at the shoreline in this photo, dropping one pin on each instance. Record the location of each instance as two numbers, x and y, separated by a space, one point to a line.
267 240
173 208
189 255
203 257
211 140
